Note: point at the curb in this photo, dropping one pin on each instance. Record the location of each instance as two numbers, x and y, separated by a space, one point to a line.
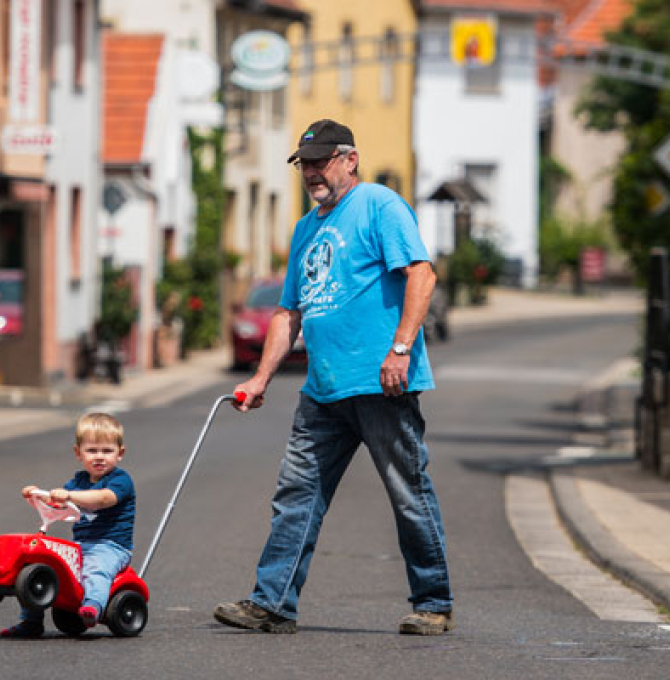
601 547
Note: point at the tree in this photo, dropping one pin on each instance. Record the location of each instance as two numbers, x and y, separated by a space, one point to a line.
642 114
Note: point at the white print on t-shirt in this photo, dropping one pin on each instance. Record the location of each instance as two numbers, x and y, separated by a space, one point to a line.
69 554
318 294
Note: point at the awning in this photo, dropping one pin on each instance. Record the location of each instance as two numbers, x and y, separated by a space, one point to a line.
457 190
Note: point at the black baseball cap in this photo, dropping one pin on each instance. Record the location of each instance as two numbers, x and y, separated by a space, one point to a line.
321 139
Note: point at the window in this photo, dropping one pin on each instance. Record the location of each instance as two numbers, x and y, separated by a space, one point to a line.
75 235
51 9
389 179
306 63
389 49
278 99
347 63
482 79
78 42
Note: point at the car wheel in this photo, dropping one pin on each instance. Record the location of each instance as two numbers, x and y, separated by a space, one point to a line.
36 586
67 622
127 614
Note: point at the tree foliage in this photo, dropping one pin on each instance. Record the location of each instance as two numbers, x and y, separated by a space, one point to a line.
190 287
642 114
118 310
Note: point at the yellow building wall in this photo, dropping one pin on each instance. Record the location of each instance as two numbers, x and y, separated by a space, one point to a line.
382 128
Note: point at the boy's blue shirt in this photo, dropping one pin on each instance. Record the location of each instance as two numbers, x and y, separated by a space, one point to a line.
344 277
110 524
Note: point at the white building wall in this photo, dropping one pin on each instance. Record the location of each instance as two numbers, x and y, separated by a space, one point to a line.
75 115
189 22
590 157
453 128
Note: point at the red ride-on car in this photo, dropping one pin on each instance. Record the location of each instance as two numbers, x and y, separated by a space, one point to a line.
250 325
42 572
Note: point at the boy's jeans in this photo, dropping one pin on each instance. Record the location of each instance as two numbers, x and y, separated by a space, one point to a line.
323 441
102 561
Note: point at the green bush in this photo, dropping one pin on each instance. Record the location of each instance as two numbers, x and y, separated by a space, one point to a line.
474 264
562 242
118 311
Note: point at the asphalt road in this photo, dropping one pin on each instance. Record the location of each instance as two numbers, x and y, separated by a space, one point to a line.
504 398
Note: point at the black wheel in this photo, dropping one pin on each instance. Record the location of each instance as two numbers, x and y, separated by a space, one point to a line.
67 622
36 586
127 614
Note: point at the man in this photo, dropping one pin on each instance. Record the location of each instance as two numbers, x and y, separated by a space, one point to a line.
358 284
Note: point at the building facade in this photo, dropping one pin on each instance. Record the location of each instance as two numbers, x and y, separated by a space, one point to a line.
476 120
354 65
49 183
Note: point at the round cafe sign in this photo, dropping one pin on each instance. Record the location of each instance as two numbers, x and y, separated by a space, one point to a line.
260 58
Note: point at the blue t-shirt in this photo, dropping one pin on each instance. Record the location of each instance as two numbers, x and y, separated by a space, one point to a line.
110 524
343 276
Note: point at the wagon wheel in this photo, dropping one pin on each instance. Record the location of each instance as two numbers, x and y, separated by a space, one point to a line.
68 622
127 614
36 586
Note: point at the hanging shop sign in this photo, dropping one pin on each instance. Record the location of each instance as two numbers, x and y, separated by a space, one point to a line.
39 140
473 40
261 60
24 60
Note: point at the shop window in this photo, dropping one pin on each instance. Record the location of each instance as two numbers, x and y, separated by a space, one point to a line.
12 268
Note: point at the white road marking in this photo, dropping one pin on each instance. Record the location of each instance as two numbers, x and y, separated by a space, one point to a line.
511 374
533 518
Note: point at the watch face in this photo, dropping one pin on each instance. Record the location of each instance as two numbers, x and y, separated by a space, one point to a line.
400 348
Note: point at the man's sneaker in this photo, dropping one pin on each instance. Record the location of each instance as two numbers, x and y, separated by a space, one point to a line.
247 614
427 623
89 615
26 630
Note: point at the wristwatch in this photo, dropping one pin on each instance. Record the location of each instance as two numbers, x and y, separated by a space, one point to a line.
400 348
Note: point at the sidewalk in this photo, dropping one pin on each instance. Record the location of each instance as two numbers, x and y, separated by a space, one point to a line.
618 513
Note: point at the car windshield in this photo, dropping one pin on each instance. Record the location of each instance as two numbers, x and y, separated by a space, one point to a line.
10 291
264 296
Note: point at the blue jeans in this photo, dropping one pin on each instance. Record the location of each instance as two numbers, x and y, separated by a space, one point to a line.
101 562
323 441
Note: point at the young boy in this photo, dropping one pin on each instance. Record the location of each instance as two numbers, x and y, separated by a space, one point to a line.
107 537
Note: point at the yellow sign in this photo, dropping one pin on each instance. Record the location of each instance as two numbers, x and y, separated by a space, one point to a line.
473 40
657 198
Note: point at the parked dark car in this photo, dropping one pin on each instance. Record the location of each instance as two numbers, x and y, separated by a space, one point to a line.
250 325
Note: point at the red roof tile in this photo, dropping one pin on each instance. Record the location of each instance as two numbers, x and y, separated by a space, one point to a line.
130 67
597 18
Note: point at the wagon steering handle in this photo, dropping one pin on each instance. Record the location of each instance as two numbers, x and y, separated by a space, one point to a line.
238 397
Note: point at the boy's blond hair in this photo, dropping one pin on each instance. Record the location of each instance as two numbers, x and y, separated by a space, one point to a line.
99 427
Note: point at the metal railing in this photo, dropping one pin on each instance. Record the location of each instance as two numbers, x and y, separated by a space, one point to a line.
656 361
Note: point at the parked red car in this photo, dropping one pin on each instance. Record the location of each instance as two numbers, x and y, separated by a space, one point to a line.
250 325
11 301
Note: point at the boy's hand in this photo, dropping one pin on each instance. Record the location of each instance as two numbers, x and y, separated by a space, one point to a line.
59 496
27 490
